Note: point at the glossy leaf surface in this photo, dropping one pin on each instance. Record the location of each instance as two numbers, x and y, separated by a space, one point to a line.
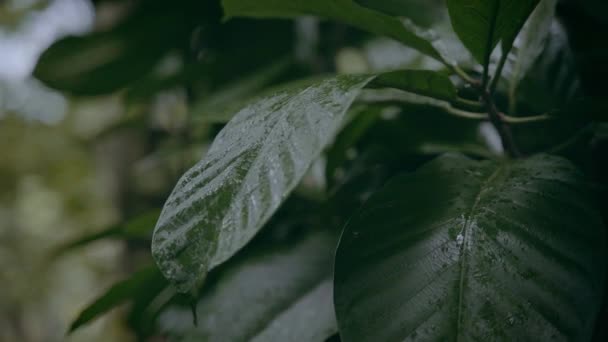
474 250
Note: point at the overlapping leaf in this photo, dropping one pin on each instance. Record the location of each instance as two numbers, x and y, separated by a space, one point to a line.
279 293
345 11
252 166
474 250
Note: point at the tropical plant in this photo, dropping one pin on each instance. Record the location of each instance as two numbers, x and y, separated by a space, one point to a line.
446 195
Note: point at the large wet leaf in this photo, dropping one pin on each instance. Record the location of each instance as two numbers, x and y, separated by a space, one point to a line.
253 164
345 11
481 24
272 292
474 251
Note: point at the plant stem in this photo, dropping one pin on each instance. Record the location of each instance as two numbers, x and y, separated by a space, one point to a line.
525 119
486 62
496 117
445 106
458 71
469 104
498 73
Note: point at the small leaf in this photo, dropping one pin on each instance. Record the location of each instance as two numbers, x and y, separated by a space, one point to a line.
474 251
423 82
345 11
277 292
118 294
253 164
481 24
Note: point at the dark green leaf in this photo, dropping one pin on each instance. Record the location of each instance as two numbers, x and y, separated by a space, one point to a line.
481 24
118 294
345 11
253 164
102 62
423 82
474 251
276 292
423 12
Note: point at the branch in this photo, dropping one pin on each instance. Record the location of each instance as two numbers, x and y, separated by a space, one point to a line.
496 117
486 62
498 73
525 119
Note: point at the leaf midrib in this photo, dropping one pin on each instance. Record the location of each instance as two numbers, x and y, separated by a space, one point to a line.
465 243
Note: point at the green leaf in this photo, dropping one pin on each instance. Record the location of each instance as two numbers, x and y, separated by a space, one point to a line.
253 164
531 41
481 24
102 62
345 11
287 297
474 251
118 294
423 82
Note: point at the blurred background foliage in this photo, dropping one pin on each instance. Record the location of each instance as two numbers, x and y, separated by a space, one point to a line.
104 104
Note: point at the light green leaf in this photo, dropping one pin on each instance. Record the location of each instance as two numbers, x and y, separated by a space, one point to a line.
531 41
481 24
139 284
474 251
288 296
345 11
253 164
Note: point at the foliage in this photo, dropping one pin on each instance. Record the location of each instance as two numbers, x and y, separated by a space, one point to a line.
457 221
